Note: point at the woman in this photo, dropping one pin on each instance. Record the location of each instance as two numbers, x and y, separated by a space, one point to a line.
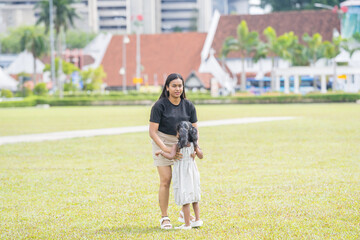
171 108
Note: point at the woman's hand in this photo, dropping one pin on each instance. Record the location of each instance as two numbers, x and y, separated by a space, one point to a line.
166 149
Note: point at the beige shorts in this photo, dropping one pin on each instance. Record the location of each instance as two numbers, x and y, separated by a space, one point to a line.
169 141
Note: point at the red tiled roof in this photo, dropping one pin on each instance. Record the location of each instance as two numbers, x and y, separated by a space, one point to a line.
300 22
205 78
161 54
87 60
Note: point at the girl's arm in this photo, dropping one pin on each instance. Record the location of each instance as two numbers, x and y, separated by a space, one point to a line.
153 128
170 155
199 152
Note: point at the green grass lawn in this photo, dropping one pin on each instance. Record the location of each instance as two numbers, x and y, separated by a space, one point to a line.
296 179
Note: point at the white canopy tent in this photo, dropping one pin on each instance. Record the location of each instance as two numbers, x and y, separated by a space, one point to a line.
7 82
24 63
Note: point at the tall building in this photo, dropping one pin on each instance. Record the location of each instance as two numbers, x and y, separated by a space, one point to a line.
14 13
226 7
119 16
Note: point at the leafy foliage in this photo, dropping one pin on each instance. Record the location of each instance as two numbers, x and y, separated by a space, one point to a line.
93 78
40 89
6 93
78 39
11 42
68 68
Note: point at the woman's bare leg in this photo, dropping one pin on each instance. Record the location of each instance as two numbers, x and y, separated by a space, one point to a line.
165 180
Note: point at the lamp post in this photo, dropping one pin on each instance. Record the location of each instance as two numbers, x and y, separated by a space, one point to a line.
138 24
52 45
122 71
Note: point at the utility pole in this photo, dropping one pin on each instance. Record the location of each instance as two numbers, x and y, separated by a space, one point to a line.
53 80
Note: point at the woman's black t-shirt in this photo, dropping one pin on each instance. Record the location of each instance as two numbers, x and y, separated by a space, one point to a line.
169 115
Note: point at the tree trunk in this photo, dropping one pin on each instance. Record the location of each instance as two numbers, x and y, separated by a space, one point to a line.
314 82
272 80
335 77
59 83
243 75
34 75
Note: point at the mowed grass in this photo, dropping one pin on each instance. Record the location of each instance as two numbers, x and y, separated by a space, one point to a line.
296 179
17 121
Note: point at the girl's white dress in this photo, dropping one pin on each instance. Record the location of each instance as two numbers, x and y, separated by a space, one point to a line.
186 178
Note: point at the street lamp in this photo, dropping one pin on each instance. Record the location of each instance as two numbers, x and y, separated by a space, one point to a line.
122 71
51 19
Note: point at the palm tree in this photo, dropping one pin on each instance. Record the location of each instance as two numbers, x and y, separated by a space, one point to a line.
352 45
64 16
313 49
245 43
331 50
281 46
34 41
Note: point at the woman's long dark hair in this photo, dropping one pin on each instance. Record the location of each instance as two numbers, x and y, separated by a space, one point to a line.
187 133
173 76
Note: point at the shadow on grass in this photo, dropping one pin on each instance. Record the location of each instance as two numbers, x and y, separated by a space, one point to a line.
128 230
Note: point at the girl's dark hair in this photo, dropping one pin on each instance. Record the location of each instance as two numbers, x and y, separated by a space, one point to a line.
173 76
187 133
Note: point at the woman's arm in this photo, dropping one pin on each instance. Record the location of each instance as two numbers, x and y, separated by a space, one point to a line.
170 155
153 128
196 126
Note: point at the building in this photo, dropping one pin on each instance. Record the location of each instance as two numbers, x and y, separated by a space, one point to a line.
181 55
120 16
299 22
14 13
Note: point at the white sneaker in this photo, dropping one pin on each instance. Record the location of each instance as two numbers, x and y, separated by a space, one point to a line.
197 223
184 227
181 219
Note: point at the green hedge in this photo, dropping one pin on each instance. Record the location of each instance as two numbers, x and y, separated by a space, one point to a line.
27 102
147 99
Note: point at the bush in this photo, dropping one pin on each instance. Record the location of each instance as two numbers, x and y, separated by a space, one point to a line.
70 87
6 93
29 102
25 92
40 89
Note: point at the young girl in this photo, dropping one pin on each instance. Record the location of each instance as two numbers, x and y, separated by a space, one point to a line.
186 177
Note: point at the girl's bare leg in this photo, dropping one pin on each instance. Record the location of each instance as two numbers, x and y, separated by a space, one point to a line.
165 180
196 210
186 210
191 217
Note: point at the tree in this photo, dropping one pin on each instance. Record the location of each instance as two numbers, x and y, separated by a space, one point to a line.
313 51
352 45
34 41
245 43
10 43
93 78
331 50
68 68
64 16
78 39
281 47
299 55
